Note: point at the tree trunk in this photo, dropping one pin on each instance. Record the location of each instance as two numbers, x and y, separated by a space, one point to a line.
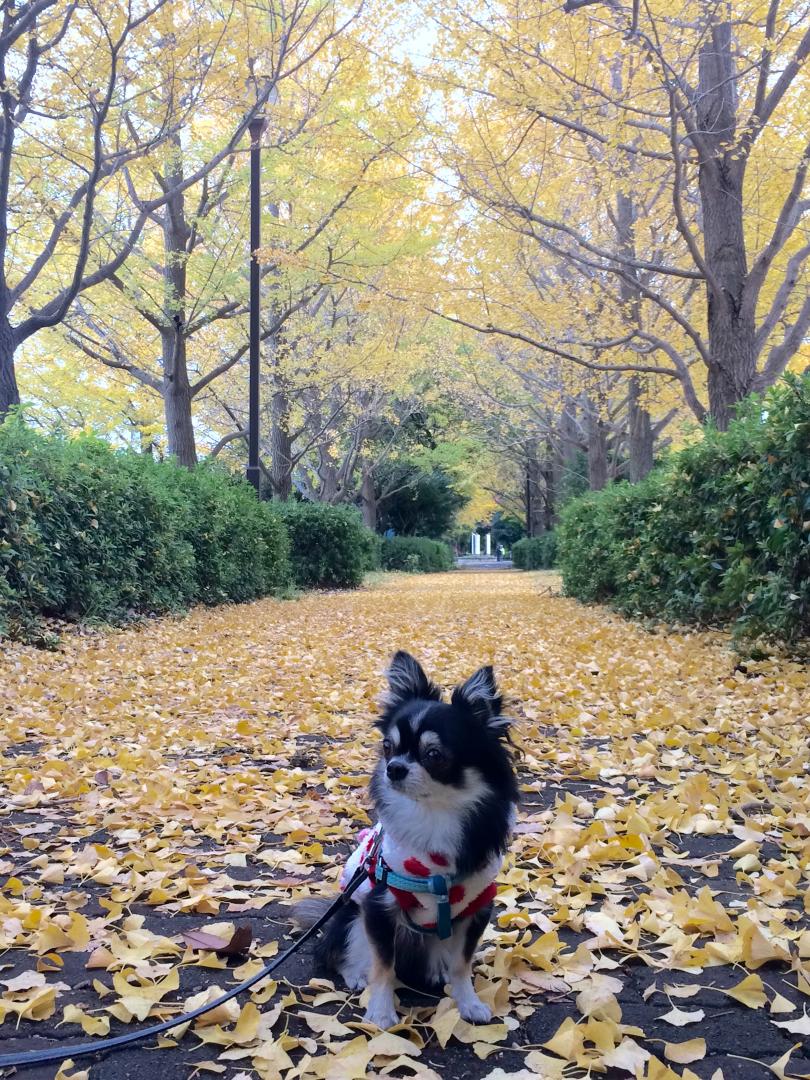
731 325
535 522
565 451
177 400
176 387
9 393
368 499
597 451
280 445
549 490
640 425
641 436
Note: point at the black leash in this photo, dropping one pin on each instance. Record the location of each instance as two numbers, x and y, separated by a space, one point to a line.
61 1053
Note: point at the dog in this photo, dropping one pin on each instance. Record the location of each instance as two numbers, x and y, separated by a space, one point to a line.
445 795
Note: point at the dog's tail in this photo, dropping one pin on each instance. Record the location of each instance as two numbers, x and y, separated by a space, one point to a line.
306 913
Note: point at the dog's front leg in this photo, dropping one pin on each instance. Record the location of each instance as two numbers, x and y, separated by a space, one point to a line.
462 948
381 928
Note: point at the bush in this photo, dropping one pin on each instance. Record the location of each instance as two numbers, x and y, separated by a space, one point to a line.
719 533
535 552
88 533
329 545
416 555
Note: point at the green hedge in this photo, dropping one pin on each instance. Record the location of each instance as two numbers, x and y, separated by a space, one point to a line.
535 552
416 554
329 545
90 533
719 533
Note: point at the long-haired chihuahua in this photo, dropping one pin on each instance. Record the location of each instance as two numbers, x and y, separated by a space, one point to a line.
445 795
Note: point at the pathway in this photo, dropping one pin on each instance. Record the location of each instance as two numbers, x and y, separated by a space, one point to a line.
199 771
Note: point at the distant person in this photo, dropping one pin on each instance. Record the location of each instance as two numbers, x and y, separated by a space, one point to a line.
499 552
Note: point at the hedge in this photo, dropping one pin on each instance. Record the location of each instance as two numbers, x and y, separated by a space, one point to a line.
720 533
329 545
535 552
416 554
90 533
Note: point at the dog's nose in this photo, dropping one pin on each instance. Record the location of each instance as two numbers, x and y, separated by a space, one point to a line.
396 770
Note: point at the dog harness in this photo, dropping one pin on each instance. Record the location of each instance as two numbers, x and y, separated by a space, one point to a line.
430 898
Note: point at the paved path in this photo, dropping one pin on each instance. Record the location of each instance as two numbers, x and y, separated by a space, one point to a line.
206 770
482 562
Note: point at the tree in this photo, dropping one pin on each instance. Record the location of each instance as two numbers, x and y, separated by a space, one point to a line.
417 503
647 171
101 98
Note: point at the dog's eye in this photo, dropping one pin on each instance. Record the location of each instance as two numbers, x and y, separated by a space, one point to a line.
387 747
433 754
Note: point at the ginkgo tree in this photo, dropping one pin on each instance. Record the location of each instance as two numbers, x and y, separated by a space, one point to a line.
649 170
340 352
97 103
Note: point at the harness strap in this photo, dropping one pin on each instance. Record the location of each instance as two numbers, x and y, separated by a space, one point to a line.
437 885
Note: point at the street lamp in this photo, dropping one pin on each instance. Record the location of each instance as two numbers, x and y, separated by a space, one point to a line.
256 127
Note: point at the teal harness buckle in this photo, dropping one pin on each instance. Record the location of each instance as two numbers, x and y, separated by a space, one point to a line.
437 885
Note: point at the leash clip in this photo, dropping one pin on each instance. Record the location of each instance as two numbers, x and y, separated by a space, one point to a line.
444 923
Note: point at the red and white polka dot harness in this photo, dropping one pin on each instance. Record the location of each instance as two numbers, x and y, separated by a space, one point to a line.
466 896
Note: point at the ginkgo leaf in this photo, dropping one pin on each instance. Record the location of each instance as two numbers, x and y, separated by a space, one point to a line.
628 1056
800 1026
680 1017
684 1053
750 992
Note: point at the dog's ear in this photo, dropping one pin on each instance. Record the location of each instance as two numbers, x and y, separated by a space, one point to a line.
408 682
480 696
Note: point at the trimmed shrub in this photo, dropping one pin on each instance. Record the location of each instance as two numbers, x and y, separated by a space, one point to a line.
329 545
240 545
719 533
535 552
416 555
89 533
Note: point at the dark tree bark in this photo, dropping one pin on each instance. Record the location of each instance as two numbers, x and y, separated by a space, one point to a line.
368 499
597 450
731 325
177 392
281 449
534 491
180 438
549 508
9 393
642 438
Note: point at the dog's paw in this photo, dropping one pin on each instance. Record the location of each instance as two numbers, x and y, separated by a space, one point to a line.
474 1011
381 1017
356 982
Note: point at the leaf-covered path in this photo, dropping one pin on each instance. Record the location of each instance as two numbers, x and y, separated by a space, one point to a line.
194 774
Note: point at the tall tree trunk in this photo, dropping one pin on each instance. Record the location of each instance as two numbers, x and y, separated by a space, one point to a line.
597 450
176 387
549 491
534 492
177 400
9 393
565 450
641 432
731 325
368 499
641 435
280 443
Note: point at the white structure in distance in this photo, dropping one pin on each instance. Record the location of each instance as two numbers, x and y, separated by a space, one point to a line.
475 543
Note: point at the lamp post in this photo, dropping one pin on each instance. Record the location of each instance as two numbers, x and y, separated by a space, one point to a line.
256 128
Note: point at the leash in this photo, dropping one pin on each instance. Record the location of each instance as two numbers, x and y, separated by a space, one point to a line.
62 1053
